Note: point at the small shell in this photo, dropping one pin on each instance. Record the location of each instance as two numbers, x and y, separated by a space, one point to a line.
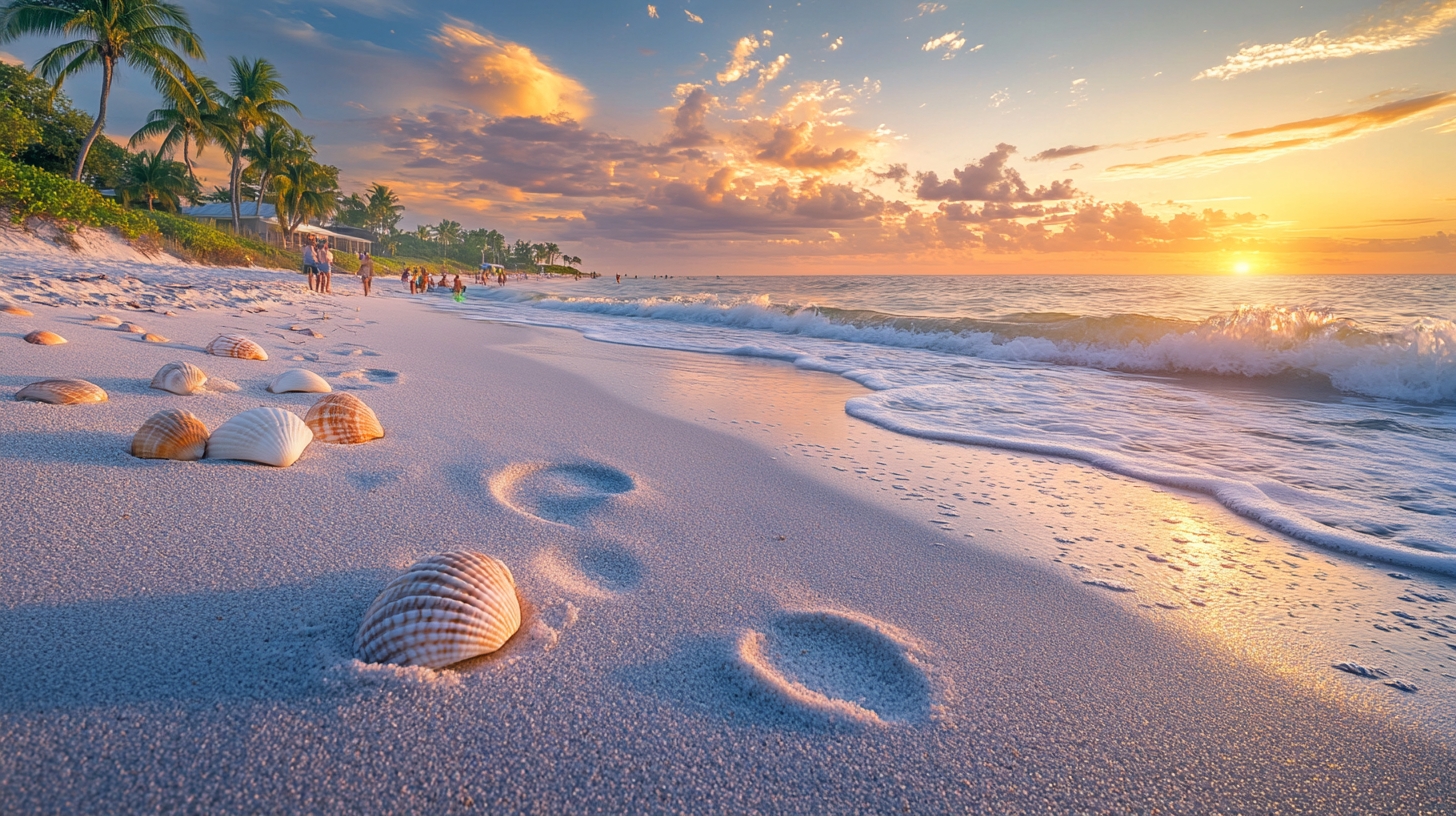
298 379
271 436
155 338
343 419
170 434
179 378
236 345
106 320
310 333
15 310
131 328
447 608
62 392
44 338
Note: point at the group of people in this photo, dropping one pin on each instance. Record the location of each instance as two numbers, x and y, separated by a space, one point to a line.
318 265
419 281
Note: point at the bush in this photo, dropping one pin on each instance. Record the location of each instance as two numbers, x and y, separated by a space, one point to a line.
31 192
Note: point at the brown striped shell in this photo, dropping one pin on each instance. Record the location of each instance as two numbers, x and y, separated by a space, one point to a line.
236 345
15 310
343 419
179 378
269 436
446 608
299 379
44 338
131 328
155 338
62 392
170 434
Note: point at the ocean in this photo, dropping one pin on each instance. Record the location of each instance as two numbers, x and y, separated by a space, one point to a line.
1321 406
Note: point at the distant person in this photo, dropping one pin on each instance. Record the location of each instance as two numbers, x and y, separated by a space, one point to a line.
619 279
443 282
408 277
366 272
325 259
458 288
310 266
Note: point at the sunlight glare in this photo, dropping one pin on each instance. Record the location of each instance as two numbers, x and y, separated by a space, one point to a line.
1241 268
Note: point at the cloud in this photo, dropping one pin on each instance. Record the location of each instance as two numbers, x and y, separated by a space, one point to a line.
838 41
378 9
929 8
652 12
691 16
1075 150
1306 134
1063 152
503 78
741 61
791 147
10 59
1375 35
689 128
951 42
990 180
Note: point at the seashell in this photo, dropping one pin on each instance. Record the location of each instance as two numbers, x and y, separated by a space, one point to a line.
310 333
155 338
447 608
271 436
179 378
62 392
131 328
298 379
343 419
236 345
15 310
106 320
44 338
170 434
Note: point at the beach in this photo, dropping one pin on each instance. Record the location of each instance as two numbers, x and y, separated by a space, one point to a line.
728 605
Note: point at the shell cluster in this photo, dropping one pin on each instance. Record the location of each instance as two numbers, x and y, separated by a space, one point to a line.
62 392
299 379
44 338
446 608
170 434
269 436
179 378
236 345
343 419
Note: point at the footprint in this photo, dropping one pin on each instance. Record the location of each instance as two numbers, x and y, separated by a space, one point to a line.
597 572
369 481
358 352
837 667
559 493
365 377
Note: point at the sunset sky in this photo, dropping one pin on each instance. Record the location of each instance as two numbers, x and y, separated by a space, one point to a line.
863 135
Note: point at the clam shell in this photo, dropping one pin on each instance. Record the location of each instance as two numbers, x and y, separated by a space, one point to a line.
236 345
62 392
155 338
447 608
15 310
270 436
170 434
131 328
298 379
44 338
343 419
179 378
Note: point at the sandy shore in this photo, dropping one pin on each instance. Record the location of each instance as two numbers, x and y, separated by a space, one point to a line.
719 620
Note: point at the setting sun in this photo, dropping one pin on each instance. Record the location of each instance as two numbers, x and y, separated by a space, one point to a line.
1242 268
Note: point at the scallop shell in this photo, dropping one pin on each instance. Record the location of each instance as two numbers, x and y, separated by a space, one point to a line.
179 378
343 419
236 345
62 392
155 338
270 436
44 338
170 434
298 379
131 328
15 310
447 608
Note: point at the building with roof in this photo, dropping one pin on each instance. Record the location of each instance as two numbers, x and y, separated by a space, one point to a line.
261 222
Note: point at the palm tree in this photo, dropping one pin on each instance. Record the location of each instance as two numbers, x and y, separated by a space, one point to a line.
303 190
253 103
271 150
423 232
139 33
552 251
447 233
383 209
184 120
496 243
153 177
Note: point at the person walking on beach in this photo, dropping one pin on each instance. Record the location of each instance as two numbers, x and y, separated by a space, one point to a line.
366 272
310 267
459 288
325 259
408 277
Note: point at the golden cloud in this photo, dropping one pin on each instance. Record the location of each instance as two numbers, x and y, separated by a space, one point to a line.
503 78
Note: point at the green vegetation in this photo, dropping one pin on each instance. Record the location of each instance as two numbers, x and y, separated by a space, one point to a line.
32 192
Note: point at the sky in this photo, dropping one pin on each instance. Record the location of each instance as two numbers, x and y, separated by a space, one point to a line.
879 136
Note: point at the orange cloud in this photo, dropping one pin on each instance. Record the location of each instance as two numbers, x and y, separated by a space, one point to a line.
503 78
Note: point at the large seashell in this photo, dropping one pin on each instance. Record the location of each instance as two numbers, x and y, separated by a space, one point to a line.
343 419
179 378
15 310
447 608
44 338
155 338
131 328
170 434
298 379
62 392
271 436
236 345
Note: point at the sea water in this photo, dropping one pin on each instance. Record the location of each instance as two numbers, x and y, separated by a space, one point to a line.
1321 406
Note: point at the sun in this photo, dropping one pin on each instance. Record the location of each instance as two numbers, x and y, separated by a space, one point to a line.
1242 268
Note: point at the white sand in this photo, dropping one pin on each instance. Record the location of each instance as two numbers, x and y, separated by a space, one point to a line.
720 622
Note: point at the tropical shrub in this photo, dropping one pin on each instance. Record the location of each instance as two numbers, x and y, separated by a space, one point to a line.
29 192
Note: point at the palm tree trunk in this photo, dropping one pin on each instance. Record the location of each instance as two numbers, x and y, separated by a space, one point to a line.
187 156
235 197
107 69
262 184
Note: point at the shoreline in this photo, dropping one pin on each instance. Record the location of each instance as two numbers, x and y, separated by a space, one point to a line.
208 607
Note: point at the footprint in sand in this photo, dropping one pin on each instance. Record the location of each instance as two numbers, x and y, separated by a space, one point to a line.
835 667
559 493
358 352
369 481
361 378
598 572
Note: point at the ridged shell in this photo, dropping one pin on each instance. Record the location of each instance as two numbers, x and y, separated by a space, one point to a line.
44 338
270 436
180 378
447 608
343 419
299 379
62 392
170 434
236 345
15 310
155 338
131 328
